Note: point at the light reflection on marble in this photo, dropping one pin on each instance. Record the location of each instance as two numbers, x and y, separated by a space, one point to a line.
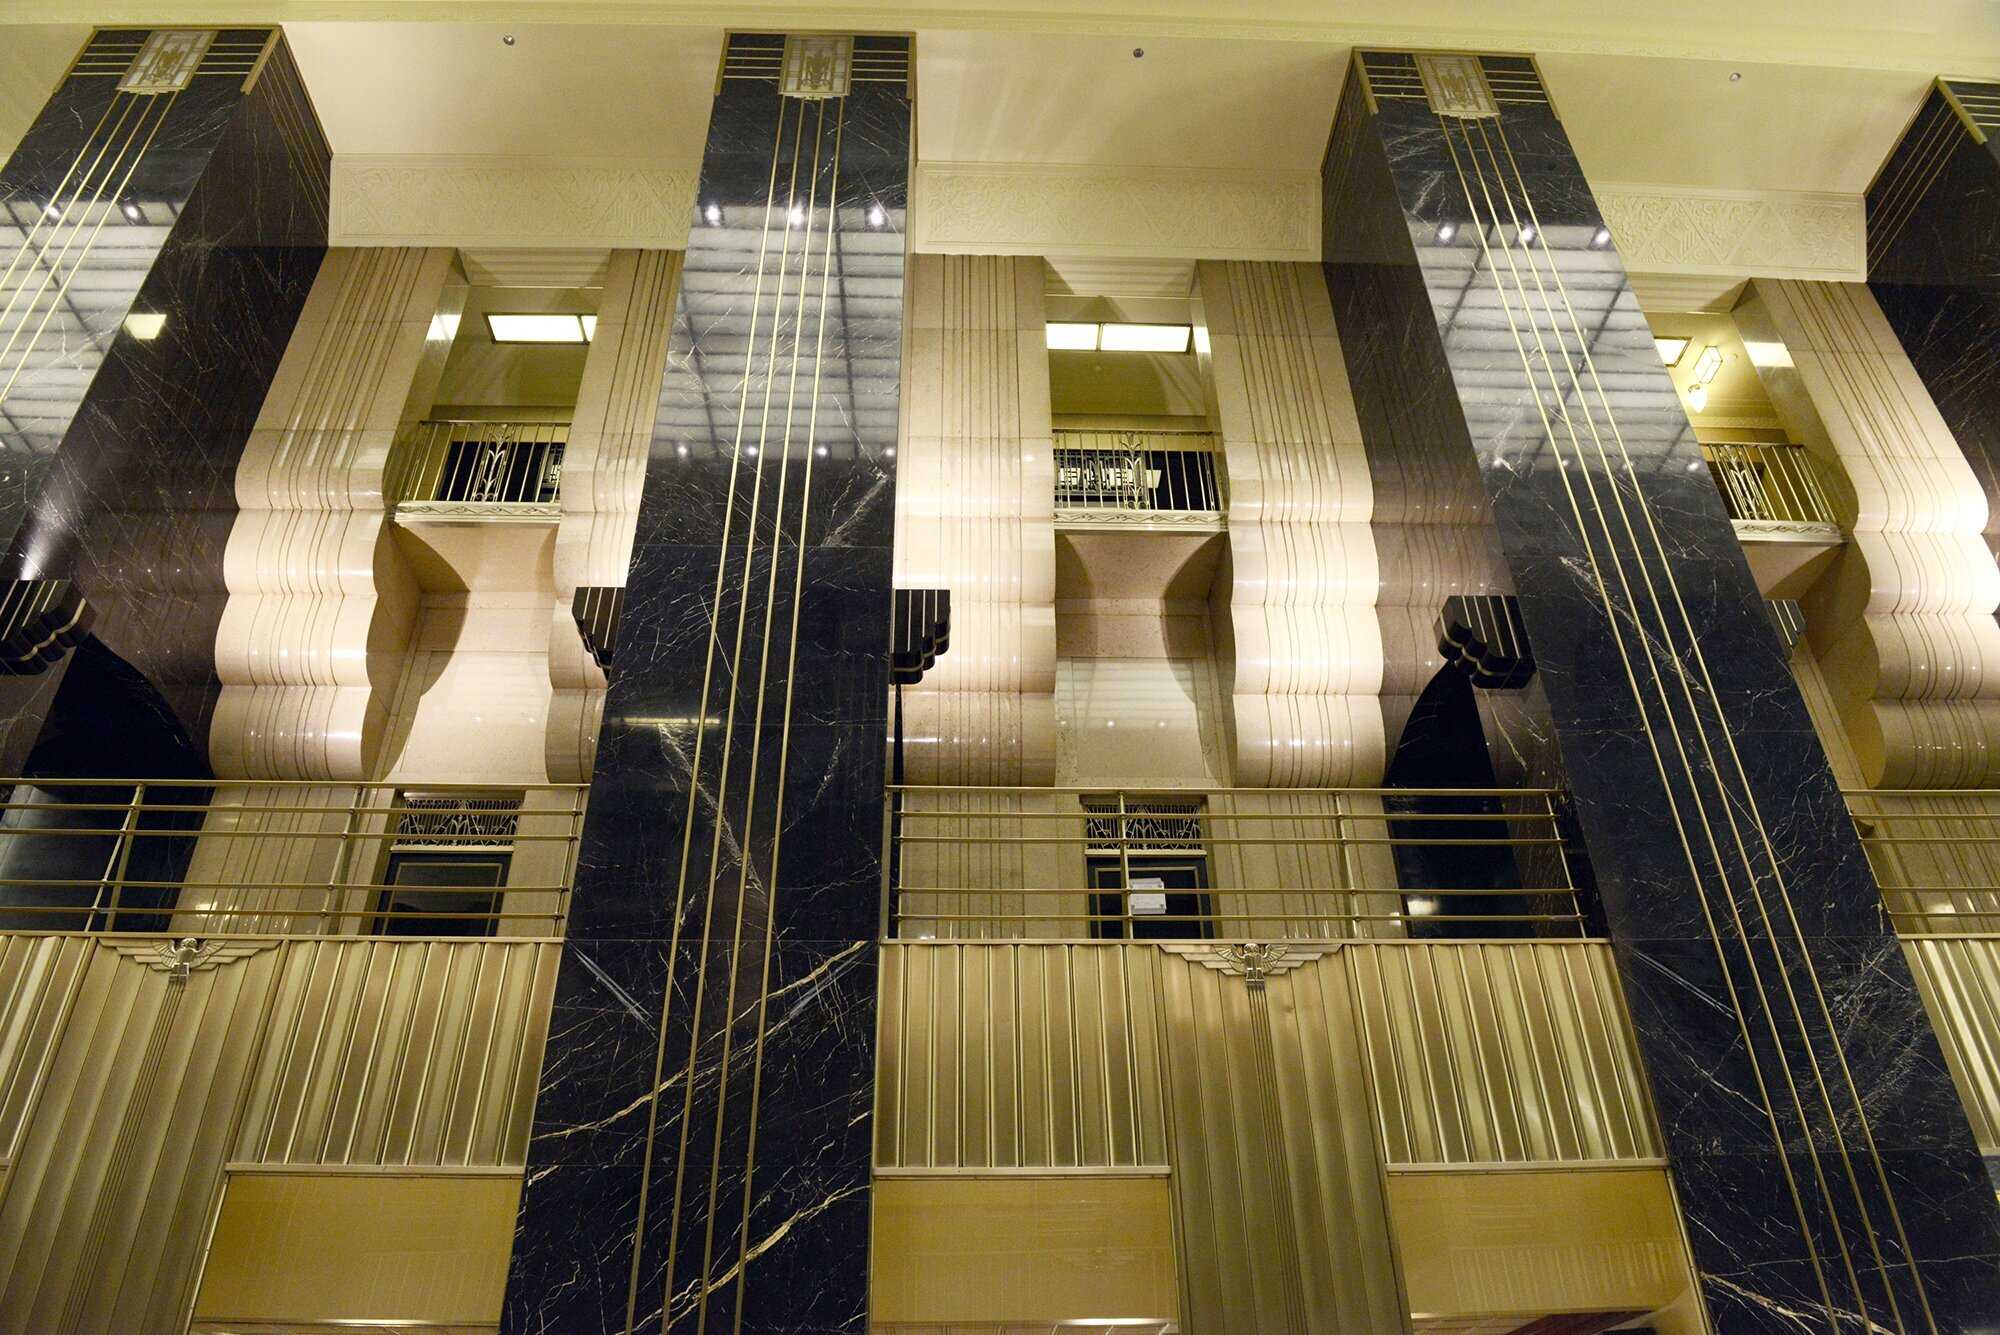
779 429
217 229
1683 738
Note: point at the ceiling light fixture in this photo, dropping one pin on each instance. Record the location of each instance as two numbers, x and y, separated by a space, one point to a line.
145 325
876 215
1671 350
798 215
1768 354
507 39
1707 364
713 213
1072 337
1600 238
1528 235
1446 233
541 328
1697 397
1145 337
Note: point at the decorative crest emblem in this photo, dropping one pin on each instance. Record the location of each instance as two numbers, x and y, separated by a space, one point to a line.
188 954
167 61
1253 961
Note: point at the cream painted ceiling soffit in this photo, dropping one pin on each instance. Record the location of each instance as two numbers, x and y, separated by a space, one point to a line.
1928 36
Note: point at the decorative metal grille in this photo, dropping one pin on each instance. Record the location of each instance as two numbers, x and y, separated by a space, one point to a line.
1160 826
458 822
1136 470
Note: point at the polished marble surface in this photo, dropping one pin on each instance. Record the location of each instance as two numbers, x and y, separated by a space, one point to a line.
701 1146
158 302
1816 1140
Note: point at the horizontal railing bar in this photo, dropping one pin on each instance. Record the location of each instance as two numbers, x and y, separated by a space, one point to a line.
323 887
309 812
1150 794
425 789
277 911
356 836
1223 918
1421 892
1566 942
1213 816
1169 845
274 938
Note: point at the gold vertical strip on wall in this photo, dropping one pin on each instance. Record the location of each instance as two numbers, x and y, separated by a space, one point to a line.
423 1053
124 1091
1959 979
1501 1053
1018 1056
1277 1179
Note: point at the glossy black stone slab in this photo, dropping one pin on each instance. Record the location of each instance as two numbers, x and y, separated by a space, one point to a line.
181 234
1826 1171
700 1159
1934 261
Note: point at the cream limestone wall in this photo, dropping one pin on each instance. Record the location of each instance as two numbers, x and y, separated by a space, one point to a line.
1903 627
604 468
1303 651
974 514
320 599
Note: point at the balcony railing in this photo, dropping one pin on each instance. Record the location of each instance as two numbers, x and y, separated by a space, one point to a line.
479 469
1069 863
1136 476
202 856
1936 857
1771 489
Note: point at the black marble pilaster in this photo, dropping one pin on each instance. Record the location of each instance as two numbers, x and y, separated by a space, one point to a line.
162 246
700 1159
1934 262
1825 1168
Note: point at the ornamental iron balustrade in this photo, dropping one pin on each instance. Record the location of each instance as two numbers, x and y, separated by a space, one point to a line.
1148 471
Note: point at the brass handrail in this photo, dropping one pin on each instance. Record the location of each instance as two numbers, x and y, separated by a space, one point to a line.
225 855
1083 862
1768 482
466 462
1935 854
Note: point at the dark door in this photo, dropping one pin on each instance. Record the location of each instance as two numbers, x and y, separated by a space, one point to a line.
462 888
1164 898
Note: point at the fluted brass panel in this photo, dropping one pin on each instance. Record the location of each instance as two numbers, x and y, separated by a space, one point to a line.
124 1090
422 1053
1284 1227
1504 1053
1959 978
1109 1055
1029 1056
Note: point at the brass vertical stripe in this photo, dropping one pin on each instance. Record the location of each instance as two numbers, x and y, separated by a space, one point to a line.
1612 615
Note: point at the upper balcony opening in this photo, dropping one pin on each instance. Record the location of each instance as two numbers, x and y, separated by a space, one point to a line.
475 475
1773 490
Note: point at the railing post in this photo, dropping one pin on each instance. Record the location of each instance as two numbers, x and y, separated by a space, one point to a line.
337 877
121 860
1124 871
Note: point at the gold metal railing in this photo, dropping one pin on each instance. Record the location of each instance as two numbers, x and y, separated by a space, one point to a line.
1148 471
1935 854
1068 863
462 466
261 856
1768 483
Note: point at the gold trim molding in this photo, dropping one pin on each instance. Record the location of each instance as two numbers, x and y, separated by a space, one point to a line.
419 200
1157 212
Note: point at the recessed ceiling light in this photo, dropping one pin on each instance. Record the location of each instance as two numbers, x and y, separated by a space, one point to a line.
1768 354
1600 238
798 215
507 40
541 328
1146 337
1671 350
1073 337
145 325
876 215
1697 397
1446 231
713 213
1528 234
